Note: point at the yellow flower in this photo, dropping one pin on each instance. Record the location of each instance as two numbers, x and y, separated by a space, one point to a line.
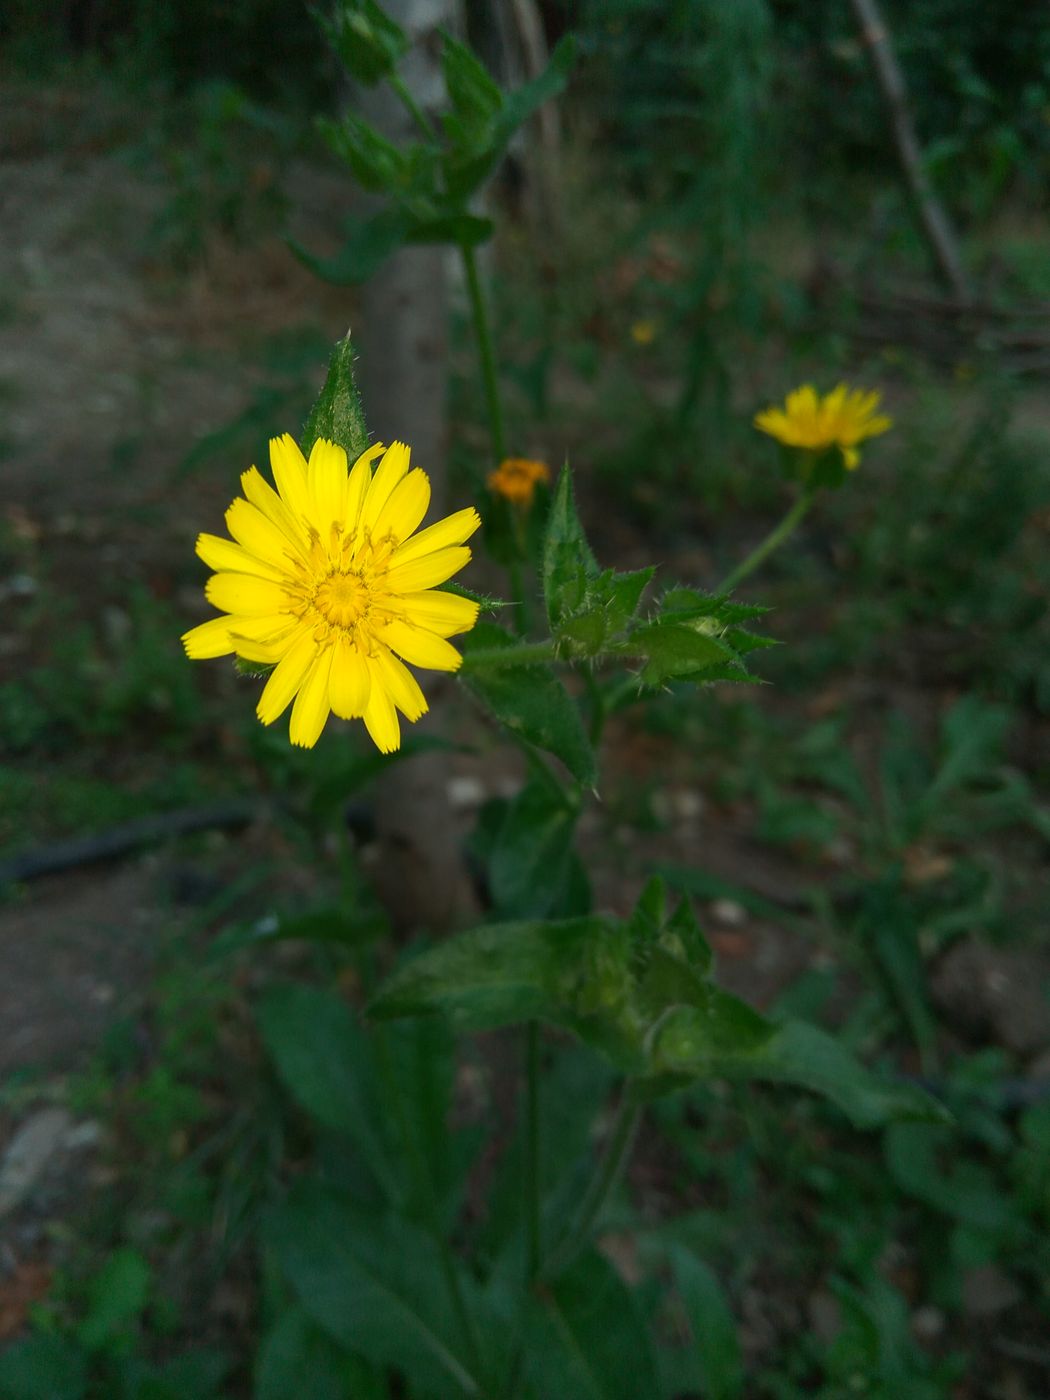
516 479
322 581
643 332
841 419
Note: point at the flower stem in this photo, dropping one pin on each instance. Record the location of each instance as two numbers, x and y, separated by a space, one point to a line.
525 654
532 1151
773 540
486 354
601 1186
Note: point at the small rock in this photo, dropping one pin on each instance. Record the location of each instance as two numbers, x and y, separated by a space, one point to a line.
987 1290
28 1154
687 805
83 1135
927 1323
465 791
728 912
997 991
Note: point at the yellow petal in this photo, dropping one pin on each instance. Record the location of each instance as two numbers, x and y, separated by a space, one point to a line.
381 719
289 471
359 482
422 648
262 495
389 472
263 639
406 507
241 593
311 709
326 481
443 613
259 536
287 676
223 555
210 639
350 681
401 685
454 529
427 572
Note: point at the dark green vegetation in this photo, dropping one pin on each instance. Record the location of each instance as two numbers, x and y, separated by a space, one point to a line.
864 838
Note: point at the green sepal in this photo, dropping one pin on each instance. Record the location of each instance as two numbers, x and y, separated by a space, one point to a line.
568 561
368 42
378 164
337 414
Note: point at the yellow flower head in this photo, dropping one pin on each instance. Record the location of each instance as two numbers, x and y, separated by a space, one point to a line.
323 582
643 332
516 479
841 419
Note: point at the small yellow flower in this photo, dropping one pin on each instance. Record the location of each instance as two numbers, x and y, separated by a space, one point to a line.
323 582
643 332
516 479
841 419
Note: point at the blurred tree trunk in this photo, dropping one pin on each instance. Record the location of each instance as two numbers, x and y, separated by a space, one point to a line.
932 215
403 374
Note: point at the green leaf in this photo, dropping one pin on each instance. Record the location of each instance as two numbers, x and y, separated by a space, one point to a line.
568 562
43 1367
585 1338
367 41
801 1054
532 853
321 1055
531 701
471 161
374 1282
298 1348
675 651
332 924
571 972
702 1029
888 927
712 1325
476 100
368 245
923 1159
337 415
118 1296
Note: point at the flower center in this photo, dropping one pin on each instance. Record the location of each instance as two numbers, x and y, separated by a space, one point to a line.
342 599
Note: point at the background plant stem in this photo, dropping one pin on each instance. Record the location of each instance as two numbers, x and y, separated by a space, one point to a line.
486 354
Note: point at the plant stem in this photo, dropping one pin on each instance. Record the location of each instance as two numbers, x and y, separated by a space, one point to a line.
492 658
602 1184
776 537
486 354
532 1151
410 104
